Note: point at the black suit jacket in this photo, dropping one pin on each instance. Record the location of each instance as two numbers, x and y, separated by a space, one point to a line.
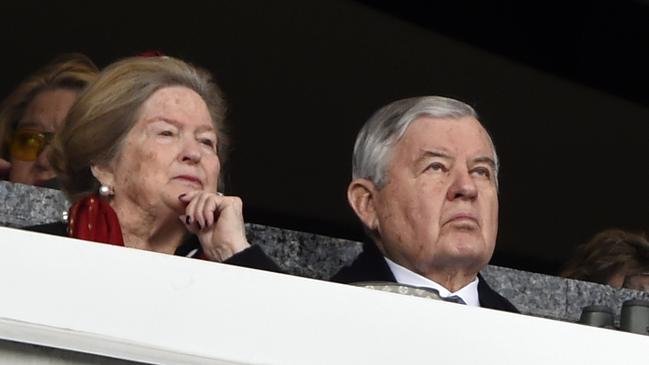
371 266
253 257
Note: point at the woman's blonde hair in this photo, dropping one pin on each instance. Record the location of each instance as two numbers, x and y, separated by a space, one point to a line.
71 71
106 111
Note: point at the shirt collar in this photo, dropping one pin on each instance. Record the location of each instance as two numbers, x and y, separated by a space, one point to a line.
468 293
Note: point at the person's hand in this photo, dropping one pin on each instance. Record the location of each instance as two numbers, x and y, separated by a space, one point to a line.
5 167
217 220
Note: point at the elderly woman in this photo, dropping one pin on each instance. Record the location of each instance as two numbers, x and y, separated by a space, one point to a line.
34 111
140 156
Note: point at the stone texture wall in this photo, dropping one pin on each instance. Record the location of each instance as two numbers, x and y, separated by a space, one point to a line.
319 257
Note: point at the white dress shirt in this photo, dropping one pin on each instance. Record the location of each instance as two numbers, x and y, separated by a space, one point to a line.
468 293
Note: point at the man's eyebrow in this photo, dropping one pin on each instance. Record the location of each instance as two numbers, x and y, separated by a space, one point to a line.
485 159
426 154
434 153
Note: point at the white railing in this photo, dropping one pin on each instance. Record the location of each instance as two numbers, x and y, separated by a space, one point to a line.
149 307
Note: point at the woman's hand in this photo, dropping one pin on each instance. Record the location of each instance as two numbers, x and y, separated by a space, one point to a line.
217 220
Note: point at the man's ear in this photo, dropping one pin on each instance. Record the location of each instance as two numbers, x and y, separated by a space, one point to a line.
362 194
103 174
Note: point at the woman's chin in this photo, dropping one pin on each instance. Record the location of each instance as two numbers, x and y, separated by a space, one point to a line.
172 202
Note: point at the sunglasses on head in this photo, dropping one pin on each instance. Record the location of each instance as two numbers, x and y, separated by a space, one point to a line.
28 143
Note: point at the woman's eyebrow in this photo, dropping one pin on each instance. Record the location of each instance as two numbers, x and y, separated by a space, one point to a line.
28 124
485 159
158 118
178 124
206 128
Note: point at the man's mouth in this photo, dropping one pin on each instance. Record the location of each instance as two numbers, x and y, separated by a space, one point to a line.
467 219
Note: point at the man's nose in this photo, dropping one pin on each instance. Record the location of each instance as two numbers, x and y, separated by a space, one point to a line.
462 186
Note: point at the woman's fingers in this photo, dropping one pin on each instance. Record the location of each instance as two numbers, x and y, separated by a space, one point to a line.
210 210
218 222
199 210
185 220
202 208
189 212
188 196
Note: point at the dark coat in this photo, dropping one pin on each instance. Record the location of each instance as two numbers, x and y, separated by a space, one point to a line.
252 257
371 266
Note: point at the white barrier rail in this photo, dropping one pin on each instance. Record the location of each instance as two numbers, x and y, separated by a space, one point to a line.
142 306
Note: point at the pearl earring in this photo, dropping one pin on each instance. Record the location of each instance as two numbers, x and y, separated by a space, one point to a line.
105 191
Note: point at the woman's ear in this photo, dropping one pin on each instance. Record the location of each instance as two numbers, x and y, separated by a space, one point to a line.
103 174
361 195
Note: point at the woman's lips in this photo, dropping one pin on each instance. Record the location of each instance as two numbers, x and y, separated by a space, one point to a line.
193 180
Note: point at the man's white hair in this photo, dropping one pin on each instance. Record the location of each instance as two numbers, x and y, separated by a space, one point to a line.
379 135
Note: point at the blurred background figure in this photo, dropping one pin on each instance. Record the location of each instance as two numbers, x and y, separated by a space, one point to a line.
34 111
613 257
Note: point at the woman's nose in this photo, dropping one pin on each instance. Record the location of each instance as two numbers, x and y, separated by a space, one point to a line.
191 152
43 170
42 161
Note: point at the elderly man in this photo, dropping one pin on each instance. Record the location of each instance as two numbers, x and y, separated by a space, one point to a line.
425 187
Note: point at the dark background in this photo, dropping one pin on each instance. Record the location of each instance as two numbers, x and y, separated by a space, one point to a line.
562 86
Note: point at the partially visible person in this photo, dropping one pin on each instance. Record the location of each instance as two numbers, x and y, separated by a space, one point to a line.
425 187
140 156
34 111
612 257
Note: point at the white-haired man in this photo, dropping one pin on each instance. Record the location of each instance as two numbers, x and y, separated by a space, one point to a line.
425 187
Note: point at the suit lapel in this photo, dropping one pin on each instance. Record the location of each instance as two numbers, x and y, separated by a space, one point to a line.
368 266
371 266
489 298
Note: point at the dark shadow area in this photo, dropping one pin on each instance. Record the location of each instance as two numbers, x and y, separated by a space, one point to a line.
562 87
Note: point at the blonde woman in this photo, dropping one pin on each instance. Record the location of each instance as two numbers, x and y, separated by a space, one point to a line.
34 111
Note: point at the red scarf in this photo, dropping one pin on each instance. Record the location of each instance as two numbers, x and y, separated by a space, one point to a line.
93 219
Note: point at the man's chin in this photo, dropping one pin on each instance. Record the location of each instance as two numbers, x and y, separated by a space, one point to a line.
465 237
468 249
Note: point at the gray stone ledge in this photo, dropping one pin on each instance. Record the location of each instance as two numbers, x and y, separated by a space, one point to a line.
26 205
319 257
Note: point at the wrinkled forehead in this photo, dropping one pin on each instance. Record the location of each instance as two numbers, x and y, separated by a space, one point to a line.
177 104
464 136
